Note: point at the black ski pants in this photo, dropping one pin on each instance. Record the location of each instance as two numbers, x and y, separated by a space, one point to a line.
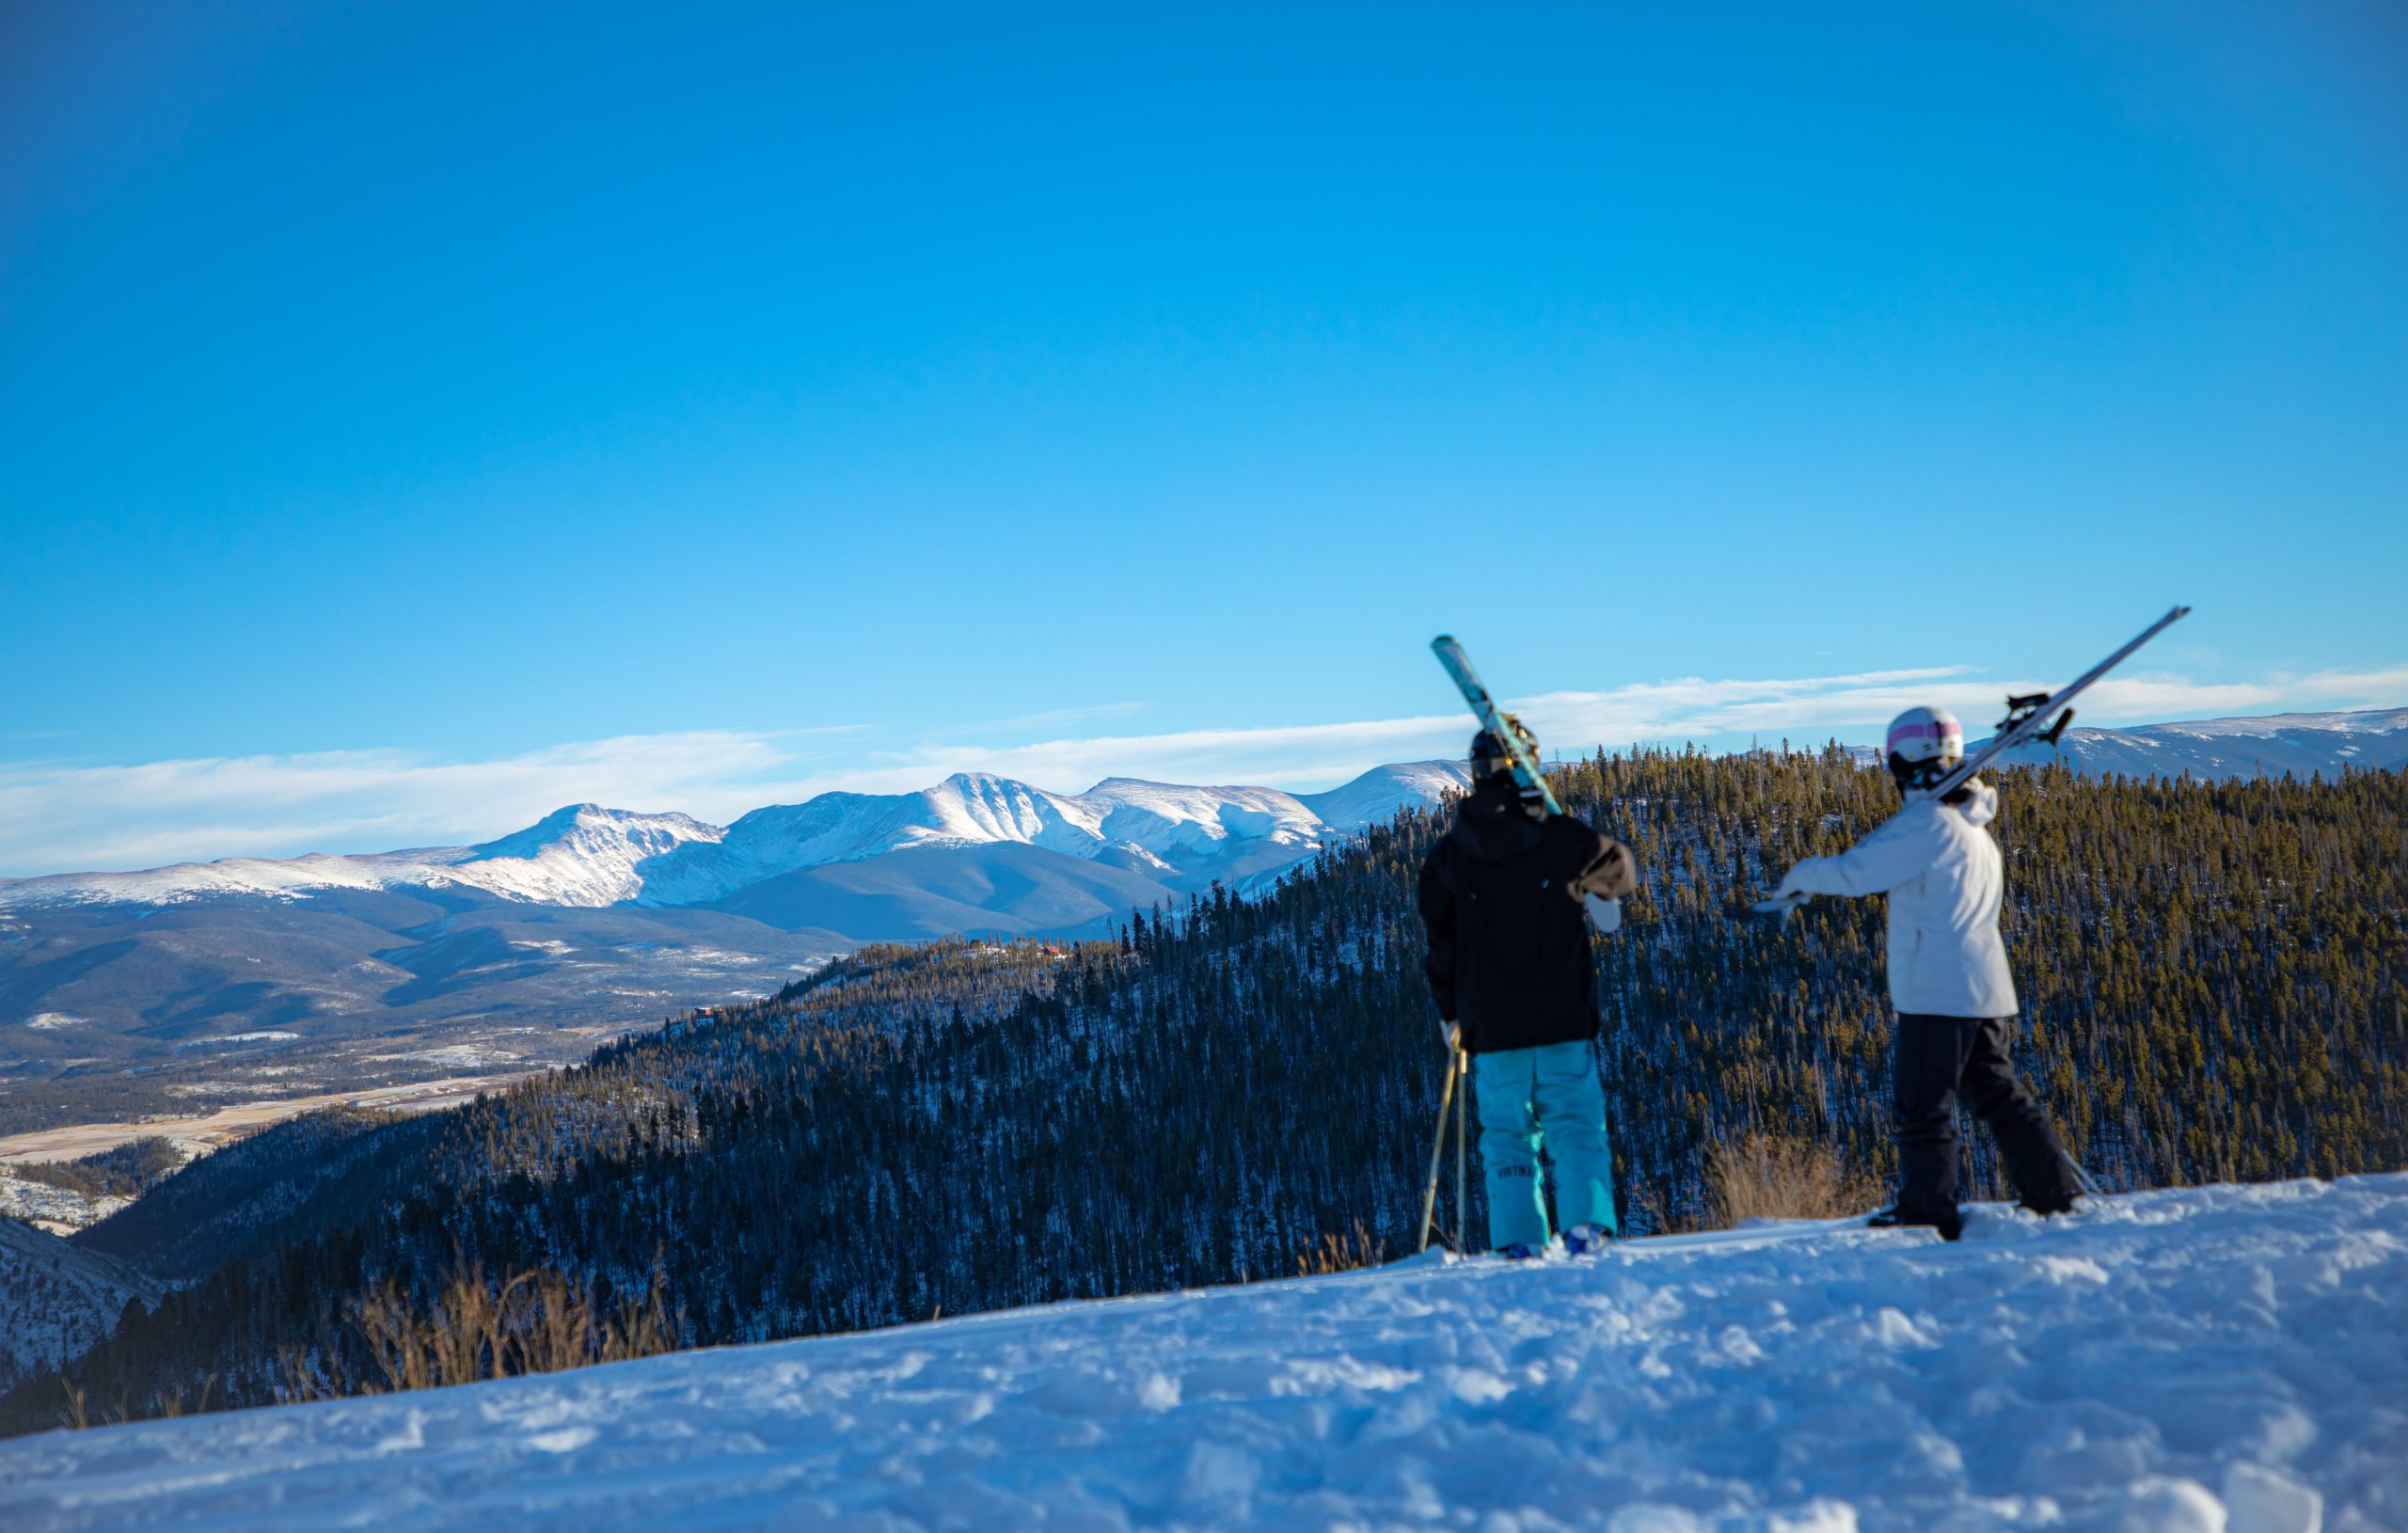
1938 1056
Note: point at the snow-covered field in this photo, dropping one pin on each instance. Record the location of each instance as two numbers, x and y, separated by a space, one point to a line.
2219 1359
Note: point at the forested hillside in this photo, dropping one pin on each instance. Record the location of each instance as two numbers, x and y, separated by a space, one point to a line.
2212 976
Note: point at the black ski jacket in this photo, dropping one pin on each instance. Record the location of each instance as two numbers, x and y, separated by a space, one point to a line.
1509 941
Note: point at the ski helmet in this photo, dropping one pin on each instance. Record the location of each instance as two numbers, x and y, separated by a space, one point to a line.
1489 757
1924 744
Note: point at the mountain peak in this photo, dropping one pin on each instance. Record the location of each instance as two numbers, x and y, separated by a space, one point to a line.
590 819
986 783
1377 794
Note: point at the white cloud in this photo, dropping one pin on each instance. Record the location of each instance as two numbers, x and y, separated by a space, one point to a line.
68 817
58 817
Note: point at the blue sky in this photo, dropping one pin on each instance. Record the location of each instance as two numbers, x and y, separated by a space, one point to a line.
490 407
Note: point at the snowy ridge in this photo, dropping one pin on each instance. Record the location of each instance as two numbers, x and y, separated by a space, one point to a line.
1156 825
1377 794
2289 744
963 810
583 855
2373 722
2213 1360
588 856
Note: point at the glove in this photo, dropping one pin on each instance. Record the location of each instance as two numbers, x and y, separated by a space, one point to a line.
1786 897
1614 874
1603 914
1452 1031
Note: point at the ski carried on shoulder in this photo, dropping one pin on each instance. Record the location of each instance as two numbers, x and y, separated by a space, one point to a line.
1503 727
1500 725
2028 718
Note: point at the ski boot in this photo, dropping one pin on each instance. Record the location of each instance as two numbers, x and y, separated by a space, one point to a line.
1521 1252
1890 1219
1586 1240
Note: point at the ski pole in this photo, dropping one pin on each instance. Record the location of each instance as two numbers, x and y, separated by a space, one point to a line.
1463 1165
2082 1178
1438 1149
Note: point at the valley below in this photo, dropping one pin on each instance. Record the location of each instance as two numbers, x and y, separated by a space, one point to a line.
213 1130
62 1211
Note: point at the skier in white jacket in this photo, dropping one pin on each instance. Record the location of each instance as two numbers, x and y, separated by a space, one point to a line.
1948 979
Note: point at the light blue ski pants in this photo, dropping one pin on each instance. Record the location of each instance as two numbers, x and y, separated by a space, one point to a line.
1551 1094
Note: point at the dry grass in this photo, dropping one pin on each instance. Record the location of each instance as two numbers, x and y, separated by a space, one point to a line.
1763 1175
538 1322
1341 1254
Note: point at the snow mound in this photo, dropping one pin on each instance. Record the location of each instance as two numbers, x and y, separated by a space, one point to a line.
2217 1360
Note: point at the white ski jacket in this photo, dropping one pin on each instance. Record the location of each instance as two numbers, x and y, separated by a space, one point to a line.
1944 878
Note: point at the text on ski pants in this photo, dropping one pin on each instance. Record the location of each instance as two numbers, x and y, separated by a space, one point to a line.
1550 1095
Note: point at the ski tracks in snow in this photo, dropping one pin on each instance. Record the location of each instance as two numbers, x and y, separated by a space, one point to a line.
2217 1360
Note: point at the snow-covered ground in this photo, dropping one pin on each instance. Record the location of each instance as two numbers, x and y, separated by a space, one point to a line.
2226 1358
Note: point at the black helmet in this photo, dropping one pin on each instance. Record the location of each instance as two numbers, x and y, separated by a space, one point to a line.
1488 754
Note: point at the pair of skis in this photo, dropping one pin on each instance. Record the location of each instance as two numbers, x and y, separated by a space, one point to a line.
2028 719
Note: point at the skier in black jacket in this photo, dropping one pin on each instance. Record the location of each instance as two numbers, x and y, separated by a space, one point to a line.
1507 899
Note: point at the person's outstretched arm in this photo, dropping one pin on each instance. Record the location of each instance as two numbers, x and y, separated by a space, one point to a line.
1893 853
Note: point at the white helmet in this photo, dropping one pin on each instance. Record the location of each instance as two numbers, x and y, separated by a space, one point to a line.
1924 744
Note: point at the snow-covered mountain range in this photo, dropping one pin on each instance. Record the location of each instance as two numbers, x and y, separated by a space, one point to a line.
586 855
226 981
2277 745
